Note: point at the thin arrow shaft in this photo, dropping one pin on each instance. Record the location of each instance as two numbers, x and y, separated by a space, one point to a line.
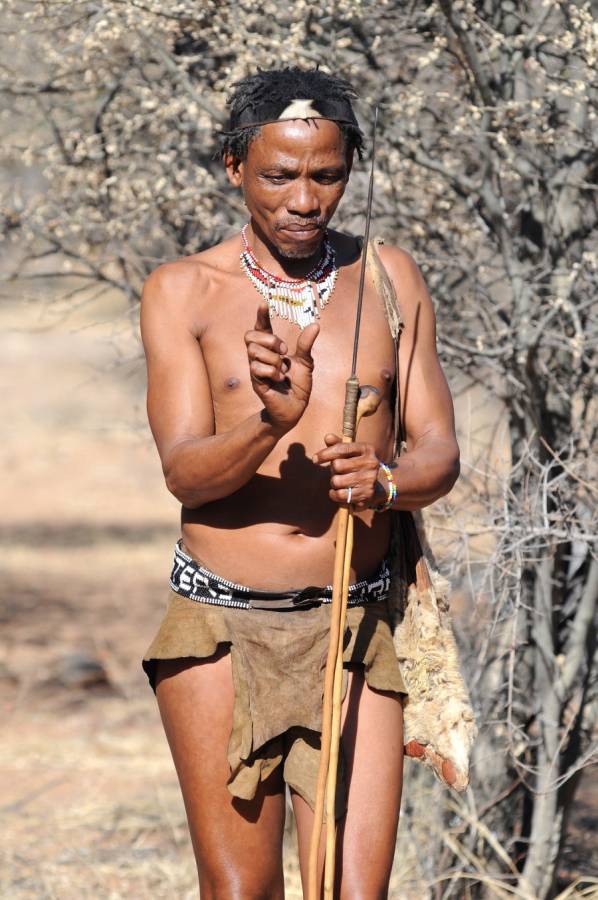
364 252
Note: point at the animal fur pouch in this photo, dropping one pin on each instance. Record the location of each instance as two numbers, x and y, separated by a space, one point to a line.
439 724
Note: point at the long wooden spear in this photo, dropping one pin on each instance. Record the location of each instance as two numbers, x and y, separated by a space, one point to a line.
355 407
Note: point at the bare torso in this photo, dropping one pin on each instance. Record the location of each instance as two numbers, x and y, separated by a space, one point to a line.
278 530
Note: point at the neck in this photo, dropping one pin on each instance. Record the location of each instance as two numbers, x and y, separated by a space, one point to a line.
271 259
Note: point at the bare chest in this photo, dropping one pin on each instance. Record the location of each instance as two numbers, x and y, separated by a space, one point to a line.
233 313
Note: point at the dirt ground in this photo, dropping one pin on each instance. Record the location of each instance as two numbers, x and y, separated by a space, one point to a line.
90 805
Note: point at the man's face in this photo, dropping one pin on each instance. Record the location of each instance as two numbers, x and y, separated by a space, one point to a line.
293 178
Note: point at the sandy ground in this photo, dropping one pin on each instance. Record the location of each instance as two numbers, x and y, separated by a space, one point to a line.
90 805
90 801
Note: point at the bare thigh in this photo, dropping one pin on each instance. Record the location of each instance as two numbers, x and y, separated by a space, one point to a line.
237 844
372 740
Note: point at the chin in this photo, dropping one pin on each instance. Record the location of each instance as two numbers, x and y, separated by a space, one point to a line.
300 250
296 252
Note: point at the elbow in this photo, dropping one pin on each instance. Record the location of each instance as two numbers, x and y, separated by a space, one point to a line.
187 497
452 471
446 474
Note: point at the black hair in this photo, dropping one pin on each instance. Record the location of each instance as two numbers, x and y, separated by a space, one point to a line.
285 85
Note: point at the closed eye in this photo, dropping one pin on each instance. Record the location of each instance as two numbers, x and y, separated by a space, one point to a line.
329 177
319 177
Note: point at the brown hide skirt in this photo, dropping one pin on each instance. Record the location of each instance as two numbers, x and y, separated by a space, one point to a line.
278 660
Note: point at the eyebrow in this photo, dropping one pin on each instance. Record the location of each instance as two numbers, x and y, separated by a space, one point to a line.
275 169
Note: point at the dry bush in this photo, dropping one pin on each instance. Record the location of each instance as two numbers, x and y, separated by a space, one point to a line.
487 173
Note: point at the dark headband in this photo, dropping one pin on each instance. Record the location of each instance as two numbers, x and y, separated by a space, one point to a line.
269 111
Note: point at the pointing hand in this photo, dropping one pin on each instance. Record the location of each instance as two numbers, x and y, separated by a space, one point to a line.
282 381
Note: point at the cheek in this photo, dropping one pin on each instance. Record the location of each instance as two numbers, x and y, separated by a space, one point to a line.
265 199
332 194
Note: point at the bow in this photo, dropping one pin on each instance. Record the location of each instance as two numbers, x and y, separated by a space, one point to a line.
359 402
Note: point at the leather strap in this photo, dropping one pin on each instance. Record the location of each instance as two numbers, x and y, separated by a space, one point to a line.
386 291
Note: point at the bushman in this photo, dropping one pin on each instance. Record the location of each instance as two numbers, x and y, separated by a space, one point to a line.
248 348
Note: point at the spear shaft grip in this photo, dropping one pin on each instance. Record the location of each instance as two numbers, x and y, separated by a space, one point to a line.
350 410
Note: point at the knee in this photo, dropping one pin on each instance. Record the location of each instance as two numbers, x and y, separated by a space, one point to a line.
238 886
362 887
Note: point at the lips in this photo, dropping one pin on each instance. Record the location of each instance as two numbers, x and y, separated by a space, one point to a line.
302 232
302 227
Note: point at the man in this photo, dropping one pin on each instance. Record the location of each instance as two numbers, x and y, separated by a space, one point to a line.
248 348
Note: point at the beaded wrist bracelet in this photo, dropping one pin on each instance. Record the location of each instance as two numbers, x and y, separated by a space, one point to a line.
392 489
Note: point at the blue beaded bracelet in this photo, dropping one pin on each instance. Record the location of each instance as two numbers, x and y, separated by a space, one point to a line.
392 489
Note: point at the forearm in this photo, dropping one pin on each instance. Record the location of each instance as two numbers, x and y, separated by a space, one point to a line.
200 470
424 474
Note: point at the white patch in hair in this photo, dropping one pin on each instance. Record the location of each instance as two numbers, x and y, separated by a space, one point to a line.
300 109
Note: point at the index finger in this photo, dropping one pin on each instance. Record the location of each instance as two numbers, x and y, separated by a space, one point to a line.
337 451
262 321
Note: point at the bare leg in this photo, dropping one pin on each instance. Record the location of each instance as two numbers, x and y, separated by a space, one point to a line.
237 844
372 739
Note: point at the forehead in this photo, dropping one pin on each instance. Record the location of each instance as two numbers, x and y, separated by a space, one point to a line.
301 140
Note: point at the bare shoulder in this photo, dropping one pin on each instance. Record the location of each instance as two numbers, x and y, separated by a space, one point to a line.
397 257
183 287
409 284
403 270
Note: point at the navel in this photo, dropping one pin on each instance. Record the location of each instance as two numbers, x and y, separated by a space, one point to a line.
232 383
386 375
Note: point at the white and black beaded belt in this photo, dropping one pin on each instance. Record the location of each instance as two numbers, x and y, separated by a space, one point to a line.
191 579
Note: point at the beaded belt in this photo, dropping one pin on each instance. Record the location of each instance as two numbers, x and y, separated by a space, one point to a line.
190 579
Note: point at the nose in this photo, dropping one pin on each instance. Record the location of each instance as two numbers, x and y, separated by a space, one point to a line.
303 201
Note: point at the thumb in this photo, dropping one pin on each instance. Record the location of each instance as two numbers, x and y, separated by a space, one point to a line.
262 321
305 342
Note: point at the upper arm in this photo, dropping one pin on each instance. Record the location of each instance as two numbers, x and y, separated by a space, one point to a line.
426 403
179 401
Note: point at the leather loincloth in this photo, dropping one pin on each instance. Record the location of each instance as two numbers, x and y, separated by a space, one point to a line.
278 660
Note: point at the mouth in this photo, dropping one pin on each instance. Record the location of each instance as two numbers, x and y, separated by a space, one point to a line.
302 232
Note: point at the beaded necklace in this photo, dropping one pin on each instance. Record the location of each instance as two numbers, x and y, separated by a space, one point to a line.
297 299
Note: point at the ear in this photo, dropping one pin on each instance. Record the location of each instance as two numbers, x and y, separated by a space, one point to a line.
234 169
